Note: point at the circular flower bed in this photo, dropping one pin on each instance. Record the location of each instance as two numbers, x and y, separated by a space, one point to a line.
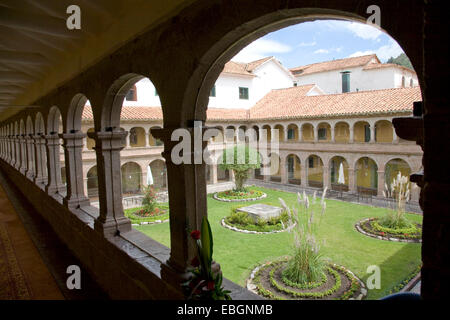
142 215
242 222
233 195
372 228
336 283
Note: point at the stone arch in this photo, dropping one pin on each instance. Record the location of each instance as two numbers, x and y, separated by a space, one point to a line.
152 141
366 175
279 131
292 132
275 167
324 131
314 171
393 166
54 121
75 112
342 131
308 133
39 125
293 169
112 107
92 182
384 131
131 177
159 173
137 137
336 173
361 131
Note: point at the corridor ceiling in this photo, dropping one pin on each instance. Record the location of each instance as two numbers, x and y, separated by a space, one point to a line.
38 52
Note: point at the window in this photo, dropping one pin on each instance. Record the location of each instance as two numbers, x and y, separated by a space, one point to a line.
133 136
243 93
322 134
131 94
213 91
290 167
411 83
295 84
403 82
366 133
291 134
156 92
345 81
311 162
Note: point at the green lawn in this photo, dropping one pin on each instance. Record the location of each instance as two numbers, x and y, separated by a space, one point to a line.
238 253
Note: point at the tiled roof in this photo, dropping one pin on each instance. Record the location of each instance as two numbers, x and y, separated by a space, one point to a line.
291 103
294 103
372 66
334 65
244 68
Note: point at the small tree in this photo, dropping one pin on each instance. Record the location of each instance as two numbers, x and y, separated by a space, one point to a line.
240 159
149 201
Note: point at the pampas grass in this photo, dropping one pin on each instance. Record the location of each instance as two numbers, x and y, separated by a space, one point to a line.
400 191
306 264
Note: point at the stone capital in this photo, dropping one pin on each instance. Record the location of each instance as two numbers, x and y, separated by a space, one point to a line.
108 140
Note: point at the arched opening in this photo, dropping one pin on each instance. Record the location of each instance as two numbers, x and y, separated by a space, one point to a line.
324 132
307 132
92 183
137 137
292 133
131 179
293 169
342 132
154 142
393 167
90 143
314 169
279 132
267 133
158 174
230 134
384 131
361 131
275 170
339 173
366 176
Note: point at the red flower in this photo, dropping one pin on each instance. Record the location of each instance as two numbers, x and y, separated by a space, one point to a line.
195 263
210 285
382 233
195 234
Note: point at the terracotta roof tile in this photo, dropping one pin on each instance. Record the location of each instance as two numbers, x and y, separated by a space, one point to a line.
334 65
288 103
372 66
294 103
244 68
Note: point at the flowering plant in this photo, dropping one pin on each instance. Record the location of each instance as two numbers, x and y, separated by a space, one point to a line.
206 280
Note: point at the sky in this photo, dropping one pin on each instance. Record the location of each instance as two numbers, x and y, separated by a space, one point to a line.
321 40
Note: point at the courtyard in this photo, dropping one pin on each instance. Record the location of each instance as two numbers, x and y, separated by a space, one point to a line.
238 253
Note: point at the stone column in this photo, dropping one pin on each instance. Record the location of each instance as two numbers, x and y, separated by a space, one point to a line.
303 174
18 155
54 184
29 173
111 220
73 146
12 150
300 132
326 177
39 164
351 180
316 133
8 149
147 139
333 133
394 136
23 154
213 173
372 133
380 184
283 171
127 140
187 201
85 144
352 134
285 132
415 192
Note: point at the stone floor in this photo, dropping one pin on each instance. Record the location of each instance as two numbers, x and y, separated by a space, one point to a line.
43 257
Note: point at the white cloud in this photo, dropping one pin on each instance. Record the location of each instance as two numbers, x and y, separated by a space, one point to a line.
339 49
321 51
307 44
384 52
364 31
259 49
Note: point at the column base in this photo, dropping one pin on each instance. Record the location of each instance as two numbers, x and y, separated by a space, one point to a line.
112 227
54 189
29 175
174 278
76 202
